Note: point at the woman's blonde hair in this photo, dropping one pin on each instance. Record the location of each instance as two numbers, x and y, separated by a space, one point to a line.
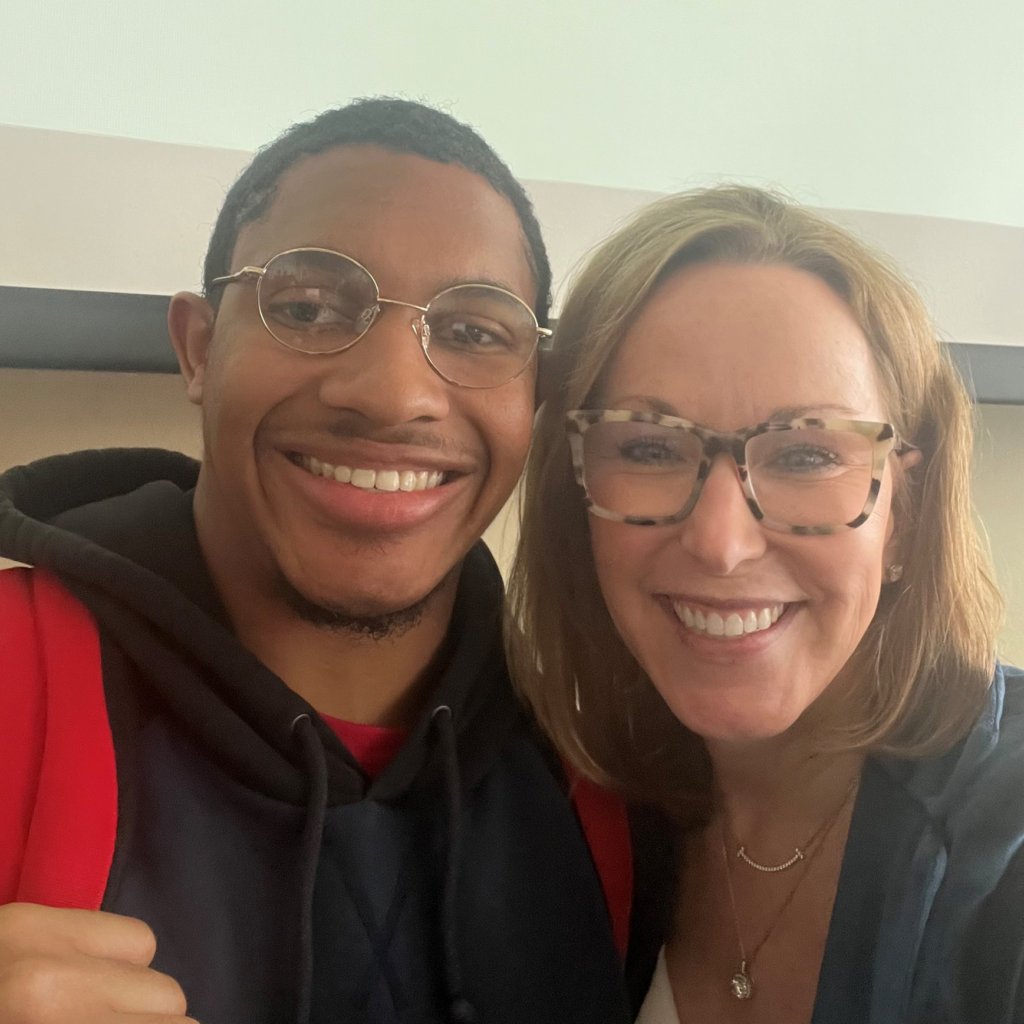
926 661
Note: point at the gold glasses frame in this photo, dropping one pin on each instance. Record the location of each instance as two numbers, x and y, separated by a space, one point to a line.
420 327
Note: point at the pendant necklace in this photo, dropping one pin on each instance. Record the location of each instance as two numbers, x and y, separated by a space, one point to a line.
741 985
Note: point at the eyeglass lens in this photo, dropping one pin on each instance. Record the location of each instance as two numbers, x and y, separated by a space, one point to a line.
808 476
321 302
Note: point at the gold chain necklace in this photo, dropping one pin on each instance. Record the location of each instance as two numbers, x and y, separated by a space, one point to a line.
799 853
741 985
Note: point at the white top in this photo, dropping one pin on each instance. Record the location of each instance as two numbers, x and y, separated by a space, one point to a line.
659 1006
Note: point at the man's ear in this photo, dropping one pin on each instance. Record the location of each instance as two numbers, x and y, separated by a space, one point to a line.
190 324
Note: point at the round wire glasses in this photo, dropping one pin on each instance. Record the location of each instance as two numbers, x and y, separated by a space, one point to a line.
321 302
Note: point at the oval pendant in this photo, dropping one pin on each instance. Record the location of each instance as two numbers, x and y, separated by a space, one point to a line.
741 986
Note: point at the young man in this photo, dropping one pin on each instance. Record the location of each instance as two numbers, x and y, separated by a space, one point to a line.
273 722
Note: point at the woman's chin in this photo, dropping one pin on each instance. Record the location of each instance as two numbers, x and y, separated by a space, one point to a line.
742 723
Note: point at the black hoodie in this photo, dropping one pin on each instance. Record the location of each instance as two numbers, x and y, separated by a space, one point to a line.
282 884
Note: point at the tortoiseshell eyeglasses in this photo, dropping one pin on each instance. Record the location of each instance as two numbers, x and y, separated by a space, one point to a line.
804 476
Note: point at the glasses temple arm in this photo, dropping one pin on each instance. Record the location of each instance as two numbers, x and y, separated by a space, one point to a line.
238 275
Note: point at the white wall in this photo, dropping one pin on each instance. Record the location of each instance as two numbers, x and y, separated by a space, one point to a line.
999 500
103 214
900 106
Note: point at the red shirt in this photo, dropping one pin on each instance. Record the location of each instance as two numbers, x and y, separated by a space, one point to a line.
373 746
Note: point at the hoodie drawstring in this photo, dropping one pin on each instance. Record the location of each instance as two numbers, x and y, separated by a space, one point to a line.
460 1009
315 762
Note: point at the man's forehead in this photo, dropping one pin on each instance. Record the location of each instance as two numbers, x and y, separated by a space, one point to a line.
410 216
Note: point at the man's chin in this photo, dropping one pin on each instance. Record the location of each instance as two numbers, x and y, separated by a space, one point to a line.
373 615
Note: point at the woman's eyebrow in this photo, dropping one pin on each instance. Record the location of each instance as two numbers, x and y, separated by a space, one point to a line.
797 412
649 402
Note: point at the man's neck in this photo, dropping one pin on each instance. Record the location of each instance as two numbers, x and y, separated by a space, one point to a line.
350 676
341 672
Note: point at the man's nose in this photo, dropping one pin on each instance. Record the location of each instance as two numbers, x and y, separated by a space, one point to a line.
385 375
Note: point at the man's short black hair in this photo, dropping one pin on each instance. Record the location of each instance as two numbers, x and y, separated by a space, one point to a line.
399 125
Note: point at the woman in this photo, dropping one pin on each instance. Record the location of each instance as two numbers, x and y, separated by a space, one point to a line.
776 620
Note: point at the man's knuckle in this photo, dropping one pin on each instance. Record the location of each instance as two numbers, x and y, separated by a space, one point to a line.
171 993
30 988
15 920
146 940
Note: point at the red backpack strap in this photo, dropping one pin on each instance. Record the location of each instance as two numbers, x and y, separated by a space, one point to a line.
605 824
58 799
22 723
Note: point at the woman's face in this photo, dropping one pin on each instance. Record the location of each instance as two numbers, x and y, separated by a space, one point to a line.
728 346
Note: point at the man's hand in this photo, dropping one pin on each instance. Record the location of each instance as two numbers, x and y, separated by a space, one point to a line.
81 966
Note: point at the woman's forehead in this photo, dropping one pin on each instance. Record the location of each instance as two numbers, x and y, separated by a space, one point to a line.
732 342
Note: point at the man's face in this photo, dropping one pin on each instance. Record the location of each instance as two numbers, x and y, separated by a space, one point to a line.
376 408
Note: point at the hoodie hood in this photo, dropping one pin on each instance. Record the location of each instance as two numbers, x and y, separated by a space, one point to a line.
116 526
315 891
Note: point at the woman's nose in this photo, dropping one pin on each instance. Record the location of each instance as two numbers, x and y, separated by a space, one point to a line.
722 532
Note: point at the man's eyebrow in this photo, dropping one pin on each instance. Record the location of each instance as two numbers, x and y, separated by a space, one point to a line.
451 282
489 282
448 283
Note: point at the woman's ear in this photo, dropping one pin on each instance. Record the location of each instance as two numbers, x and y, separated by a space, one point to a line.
902 479
909 459
190 324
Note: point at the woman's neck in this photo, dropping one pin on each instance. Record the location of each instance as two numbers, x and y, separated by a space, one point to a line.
775 792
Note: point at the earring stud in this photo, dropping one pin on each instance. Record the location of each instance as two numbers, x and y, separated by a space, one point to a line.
893 573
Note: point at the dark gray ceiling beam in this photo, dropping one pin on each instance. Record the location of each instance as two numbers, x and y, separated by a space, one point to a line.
59 329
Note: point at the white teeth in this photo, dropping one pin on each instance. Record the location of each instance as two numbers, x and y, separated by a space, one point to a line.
734 624
372 479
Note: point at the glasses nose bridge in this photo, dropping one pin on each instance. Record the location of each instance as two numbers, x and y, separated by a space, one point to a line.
734 446
418 323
